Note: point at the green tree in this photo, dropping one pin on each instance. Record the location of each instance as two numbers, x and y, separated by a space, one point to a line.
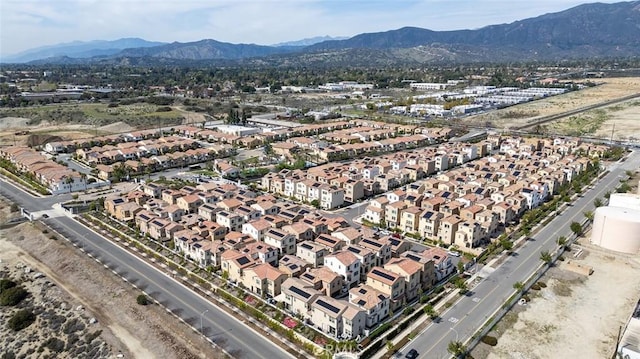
576 228
519 286
12 296
546 257
506 244
430 311
22 319
562 241
142 299
457 349
598 202
588 215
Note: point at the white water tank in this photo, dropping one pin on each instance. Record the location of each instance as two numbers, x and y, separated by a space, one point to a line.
617 229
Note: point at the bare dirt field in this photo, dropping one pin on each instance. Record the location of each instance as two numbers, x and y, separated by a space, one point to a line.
608 89
574 316
138 331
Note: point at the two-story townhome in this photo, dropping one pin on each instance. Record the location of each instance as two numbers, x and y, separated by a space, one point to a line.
410 219
261 252
190 203
337 318
256 228
264 279
292 266
208 212
234 263
285 242
411 271
157 228
374 302
346 264
429 223
349 235
469 234
326 281
448 228
333 244
311 252
380 249
266 207
441 260
297 296
331 197
389 283
393 213
366 258
300 231
232 221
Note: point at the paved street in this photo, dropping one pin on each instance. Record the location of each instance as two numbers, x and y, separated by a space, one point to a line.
461 320
232 335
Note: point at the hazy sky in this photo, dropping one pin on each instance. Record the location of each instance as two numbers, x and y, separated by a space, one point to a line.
25 24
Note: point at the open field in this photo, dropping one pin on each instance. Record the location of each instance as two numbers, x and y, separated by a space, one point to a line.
137 331
94 114
574 316
75 121
608 89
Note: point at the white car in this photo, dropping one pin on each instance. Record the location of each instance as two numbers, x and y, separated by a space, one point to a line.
452 253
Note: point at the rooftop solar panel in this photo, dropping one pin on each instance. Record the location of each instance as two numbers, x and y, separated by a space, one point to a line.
327 306
383 275
300 292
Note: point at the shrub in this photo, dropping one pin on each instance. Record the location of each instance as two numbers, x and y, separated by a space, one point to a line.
535 286
489 340
22 319
54 344
542 284
12 296
6 284
142 299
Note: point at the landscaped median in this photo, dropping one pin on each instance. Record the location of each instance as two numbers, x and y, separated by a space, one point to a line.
319 346
25 181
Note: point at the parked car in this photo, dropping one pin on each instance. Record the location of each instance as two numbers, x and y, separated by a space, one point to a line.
454 253
412 354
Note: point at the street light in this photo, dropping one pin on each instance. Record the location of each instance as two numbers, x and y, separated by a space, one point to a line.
201 315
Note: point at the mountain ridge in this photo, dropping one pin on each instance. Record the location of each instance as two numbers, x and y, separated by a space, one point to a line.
584 31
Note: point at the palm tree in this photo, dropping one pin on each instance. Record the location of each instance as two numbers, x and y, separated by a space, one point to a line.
597 202
588 215
562 240
546 257
83 176
457 349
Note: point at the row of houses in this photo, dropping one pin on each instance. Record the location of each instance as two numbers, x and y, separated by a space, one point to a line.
473 203
72 145
333 184
52 175
157 163
280 250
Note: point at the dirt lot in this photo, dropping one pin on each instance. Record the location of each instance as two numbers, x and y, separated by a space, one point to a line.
609 88
574 316
138 331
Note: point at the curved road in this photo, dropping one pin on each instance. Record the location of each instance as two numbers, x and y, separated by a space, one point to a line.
237 339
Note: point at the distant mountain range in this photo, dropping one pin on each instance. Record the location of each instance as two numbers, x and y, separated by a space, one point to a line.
80 49
584 31
308 42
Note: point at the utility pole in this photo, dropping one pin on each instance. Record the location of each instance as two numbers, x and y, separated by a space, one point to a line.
612 130
201 315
